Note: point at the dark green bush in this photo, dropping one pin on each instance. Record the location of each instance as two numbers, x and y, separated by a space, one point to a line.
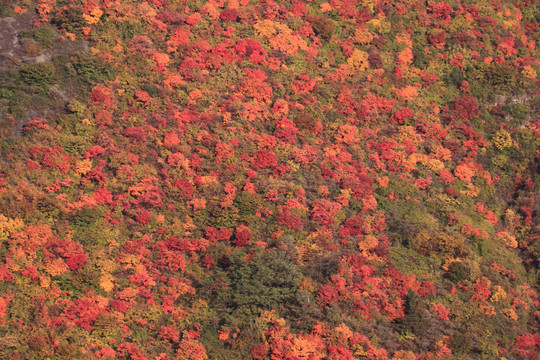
266 281
87 216
454 77
70 19
247 203
461 343
503 75
415 320
6 10
39 76
43 35
518 111
93 70
458 272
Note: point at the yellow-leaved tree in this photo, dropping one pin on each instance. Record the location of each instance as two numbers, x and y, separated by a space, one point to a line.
358 60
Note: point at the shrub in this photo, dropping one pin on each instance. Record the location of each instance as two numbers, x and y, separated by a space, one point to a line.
31 48
461 343
43 35
6 11
502 140
458 272
87 216
69 19
305 121
501 74
93 70
228 15
40 75
323 27
375 60
415 320
247 203
519 111
269 279
466 108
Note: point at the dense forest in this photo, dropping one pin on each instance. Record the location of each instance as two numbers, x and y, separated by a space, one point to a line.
269 179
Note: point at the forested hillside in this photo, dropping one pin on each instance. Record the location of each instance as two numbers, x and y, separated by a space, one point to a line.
296 180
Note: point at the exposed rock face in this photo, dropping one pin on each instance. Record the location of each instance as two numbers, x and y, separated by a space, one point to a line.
12 50
14 55
10 46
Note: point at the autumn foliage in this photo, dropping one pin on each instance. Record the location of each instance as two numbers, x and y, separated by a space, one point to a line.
270 180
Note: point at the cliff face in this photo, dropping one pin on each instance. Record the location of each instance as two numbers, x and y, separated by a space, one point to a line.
269 180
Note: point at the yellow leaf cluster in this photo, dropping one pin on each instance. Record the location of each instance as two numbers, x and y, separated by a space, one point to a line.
106 282
510 313
118 47
508 239
83 167
379 24
443 153
56 267
358 60
45 7
529 72
435 165
409 133
287 42
368 243
463 172
487 309
303 348
502 140
264 28
471 191
94 16
308 284
404 355
511 216
343 331
363 36
449 261
145 11
269 316
406 57
132 262
449 243
106 265
498 294
44 281
405 38
369 4
326 7
8 226
208 180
